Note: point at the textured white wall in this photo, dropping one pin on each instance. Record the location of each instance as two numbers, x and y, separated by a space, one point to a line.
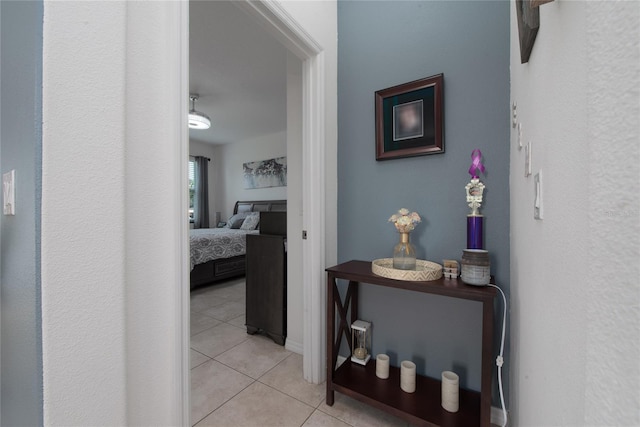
613 332
575 298
111 211
83 217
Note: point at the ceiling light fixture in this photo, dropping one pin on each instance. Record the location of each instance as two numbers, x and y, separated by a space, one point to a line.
197 120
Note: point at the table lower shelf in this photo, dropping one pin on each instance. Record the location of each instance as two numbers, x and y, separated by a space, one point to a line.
420 408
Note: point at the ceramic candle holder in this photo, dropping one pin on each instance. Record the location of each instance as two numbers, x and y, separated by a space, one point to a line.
408 376
450 391
382 366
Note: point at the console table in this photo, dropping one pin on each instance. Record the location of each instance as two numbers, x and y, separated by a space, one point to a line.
360 382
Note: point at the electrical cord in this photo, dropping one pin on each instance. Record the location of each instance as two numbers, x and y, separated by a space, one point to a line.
499 359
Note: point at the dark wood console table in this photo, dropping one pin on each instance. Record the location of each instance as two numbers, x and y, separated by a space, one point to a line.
360 382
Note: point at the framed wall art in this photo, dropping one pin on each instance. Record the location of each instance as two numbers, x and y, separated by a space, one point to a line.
528 16
265 173
528 23
409 119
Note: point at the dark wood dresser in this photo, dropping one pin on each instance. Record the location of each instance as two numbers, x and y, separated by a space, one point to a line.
266 278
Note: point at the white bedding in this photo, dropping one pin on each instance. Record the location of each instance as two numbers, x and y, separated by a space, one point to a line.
214 243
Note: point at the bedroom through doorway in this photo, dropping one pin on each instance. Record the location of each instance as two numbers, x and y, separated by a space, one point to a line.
220 91
250 85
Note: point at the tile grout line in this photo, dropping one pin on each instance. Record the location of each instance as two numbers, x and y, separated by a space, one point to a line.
228 400
257 380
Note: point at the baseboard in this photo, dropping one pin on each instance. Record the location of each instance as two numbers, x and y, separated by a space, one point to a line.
497 416
293 346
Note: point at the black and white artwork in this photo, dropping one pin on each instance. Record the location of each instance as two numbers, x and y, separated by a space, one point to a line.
265 173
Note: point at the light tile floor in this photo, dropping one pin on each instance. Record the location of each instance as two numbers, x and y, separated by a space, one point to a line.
241 380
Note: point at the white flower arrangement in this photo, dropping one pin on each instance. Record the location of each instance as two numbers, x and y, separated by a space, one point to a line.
404 221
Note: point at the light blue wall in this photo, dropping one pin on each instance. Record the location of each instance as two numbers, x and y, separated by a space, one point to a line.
21 149
385 43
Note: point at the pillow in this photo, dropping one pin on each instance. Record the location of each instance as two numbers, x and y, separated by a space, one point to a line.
236 220
251 221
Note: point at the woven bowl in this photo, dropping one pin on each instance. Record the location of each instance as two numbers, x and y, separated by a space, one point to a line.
424 272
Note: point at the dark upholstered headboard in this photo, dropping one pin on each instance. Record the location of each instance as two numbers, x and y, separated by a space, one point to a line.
260 206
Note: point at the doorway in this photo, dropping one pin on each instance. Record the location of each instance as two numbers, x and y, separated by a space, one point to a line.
279 23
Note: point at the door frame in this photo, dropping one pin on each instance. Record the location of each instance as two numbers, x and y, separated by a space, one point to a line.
294 37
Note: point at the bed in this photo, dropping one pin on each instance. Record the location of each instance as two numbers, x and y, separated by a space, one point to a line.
219 253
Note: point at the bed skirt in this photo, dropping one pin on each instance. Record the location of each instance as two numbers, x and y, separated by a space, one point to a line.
217 270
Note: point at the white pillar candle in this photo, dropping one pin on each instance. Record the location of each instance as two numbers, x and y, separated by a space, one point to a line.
408 376
382 366
450 391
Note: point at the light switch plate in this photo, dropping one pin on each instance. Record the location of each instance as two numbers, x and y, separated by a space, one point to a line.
537 202
8 193
527 159
519 136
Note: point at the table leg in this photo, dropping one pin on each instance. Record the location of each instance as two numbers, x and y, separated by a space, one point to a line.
353 301
330 338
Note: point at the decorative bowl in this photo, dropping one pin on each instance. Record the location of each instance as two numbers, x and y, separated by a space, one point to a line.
424 272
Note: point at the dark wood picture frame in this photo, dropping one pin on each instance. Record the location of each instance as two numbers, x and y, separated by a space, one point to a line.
528 16
410 119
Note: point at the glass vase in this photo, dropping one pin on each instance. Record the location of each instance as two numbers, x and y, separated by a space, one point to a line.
404 254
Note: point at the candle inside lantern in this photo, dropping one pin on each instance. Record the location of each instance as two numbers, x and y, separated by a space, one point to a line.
360 342
360 351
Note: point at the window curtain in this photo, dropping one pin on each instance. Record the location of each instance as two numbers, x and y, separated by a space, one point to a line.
201 197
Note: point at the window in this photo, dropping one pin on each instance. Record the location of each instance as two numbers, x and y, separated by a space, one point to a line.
192 186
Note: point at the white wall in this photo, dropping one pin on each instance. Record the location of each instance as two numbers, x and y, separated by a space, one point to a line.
113 255
113 209
575 300
232 157
319 20
198 148
83 214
